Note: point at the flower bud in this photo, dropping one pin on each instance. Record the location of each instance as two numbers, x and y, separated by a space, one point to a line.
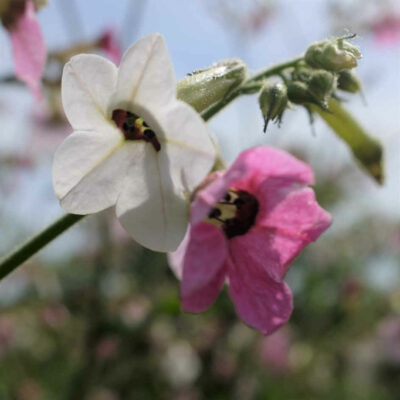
299 93
273 100
348 81
205 87
333 55
322 84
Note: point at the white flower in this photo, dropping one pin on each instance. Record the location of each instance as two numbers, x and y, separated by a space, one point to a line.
134 144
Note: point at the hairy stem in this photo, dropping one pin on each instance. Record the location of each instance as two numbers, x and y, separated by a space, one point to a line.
16 257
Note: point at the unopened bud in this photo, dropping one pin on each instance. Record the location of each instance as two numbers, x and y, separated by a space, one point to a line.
273 100
333 55
205 87
299 93
322 84
348 81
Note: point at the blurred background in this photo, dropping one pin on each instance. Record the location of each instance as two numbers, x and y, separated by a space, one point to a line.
95 316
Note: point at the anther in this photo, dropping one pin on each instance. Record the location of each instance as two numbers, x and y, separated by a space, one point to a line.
149 134
214 213
227 197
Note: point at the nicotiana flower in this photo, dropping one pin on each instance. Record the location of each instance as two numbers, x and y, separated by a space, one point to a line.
27 42
246 227
134 144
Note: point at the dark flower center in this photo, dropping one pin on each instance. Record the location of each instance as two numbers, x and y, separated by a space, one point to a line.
235 214
135 128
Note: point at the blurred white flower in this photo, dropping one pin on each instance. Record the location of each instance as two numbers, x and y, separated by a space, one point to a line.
181 365
134 144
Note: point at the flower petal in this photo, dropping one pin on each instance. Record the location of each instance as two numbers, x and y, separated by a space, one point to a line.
175 258
293 212
88 83
203 268
89 168
186 141
29 49
146 76
260 301
205 255
150 207
257 248
264 162
201 299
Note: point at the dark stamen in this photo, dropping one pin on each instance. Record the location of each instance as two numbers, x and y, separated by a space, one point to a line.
149 134
214 213
134 128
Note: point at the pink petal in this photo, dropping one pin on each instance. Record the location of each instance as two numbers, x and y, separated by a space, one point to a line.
29 49
267 250
261 302
203 298
249 169
293 213
203 273
264 162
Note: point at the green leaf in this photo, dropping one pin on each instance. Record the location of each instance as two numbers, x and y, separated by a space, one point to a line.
366 149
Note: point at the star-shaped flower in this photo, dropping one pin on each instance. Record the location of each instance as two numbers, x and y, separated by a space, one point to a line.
134 144
247 225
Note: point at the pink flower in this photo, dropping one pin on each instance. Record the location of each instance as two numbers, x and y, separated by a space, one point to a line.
109 44
246 227
387 29
29 49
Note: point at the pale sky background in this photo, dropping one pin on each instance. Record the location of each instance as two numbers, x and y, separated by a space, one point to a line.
196 38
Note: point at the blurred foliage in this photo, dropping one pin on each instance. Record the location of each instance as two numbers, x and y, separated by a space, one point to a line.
109 326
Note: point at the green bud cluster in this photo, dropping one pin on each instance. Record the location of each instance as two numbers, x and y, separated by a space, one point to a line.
273 100
311 86
332 55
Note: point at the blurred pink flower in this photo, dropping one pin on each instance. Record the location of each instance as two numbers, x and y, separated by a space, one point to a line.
246 228
29 49
388 334
387 29
274 351
108 42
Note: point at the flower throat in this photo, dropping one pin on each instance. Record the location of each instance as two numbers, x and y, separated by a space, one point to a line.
135 128
235 214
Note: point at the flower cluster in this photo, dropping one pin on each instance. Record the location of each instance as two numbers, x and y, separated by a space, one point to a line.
136 146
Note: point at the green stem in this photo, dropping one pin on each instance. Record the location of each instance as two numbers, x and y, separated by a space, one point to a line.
11 261
34 244
243 89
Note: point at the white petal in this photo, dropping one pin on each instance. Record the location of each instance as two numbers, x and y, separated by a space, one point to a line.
150 208
88 83
89 169
191 153
146 75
